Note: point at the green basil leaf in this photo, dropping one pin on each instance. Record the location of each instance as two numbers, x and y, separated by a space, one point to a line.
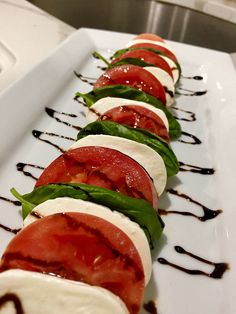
138 135
129 92
27 207
29 201
133 61
137 210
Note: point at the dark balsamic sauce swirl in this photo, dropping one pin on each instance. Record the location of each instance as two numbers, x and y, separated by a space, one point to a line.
85 79
208 213
217 273
11 297
195 77
52 113
77 98
169 92
150 307
16 203
15 231
190 92
38 134
20 166
95 112
192 115
194 141
102 68
195 169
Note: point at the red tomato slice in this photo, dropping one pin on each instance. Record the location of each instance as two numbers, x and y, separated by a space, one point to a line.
146 56
137 117
135 76
80 247
168 53
104 167
149 36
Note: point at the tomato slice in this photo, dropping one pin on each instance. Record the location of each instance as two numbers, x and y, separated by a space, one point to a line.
146 56
134 76
137 117
166 51
80 247
149 36
104 167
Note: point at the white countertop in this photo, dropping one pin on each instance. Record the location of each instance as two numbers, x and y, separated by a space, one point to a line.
28 34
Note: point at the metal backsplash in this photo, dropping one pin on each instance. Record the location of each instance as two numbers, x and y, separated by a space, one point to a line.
137 16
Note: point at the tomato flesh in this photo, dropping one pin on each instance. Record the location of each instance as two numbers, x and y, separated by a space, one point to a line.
134 76
104 167
137 117
146 56
80 247
149 36
166 51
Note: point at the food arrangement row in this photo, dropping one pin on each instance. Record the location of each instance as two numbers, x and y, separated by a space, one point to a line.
91 224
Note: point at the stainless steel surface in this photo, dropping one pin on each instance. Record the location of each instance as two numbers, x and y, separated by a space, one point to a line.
137 16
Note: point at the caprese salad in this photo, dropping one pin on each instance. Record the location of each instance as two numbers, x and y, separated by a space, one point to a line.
91 223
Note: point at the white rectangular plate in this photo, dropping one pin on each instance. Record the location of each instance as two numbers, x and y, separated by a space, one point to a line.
53 84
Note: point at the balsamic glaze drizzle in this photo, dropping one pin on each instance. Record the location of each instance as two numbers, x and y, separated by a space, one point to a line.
169 92
102 68
192 115
190 92
150 307
217 273
195 169
85 79
76 98
207 212
17 203
195 140
11 297
37 134
21 167
89 108
15 231
52 113
195 77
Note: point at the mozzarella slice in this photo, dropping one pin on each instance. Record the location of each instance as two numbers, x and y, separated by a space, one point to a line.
149 159
40 294
174 69
130 228
104 104
167 82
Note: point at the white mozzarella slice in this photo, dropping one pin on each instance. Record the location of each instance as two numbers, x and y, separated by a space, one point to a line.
174 69
149 159
40 294
167 82
130 228
104 104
